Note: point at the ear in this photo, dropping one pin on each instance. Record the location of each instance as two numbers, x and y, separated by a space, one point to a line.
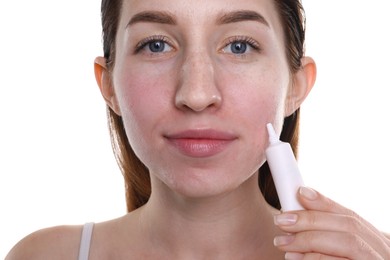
303 82
103 80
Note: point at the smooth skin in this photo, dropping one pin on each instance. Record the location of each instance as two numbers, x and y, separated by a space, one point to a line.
182 72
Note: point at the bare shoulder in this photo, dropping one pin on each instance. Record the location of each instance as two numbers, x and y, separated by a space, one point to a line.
61 242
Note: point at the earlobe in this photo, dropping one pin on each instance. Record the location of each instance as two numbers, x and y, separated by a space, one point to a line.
102 76
303 83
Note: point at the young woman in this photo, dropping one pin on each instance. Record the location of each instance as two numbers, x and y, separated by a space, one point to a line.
190 87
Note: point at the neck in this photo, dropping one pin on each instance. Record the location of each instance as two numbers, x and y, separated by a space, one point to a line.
232 224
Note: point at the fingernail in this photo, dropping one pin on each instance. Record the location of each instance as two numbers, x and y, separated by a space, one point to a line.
293 256
308 193
285 219
283 240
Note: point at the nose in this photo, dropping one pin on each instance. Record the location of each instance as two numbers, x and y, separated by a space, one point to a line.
197 88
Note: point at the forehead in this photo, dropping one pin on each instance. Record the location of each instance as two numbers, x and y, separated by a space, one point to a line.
201 12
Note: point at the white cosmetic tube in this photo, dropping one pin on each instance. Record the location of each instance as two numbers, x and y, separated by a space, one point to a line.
284 170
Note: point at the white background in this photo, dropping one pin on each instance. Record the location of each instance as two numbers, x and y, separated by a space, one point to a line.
56 163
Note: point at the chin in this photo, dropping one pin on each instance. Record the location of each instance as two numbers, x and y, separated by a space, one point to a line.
202 184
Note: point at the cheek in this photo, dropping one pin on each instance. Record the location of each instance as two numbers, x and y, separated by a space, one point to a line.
254 97
142 89
257 93
143 97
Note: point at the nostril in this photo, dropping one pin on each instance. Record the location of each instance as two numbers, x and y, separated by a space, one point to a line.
198 101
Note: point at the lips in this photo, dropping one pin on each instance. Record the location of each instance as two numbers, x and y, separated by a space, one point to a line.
201 143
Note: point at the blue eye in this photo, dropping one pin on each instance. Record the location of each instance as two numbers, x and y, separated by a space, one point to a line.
153 45
238 47
241 45
157 46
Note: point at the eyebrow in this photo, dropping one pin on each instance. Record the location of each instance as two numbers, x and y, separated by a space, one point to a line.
152 17
240 16
166 18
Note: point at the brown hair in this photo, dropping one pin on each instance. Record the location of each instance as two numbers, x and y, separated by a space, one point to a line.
136 174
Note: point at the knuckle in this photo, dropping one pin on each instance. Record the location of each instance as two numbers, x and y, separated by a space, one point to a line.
311 240
312 219
357 244
360 247
353 224
330 205
354 215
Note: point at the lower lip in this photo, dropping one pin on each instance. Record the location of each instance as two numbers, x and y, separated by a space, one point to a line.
200 148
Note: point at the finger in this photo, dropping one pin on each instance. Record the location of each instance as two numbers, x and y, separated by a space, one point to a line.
313 200
311 256
324 221
337 244
387 236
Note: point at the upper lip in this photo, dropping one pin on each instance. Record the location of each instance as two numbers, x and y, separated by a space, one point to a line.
211 134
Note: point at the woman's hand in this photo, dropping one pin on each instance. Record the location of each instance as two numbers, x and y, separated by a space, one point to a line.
326 230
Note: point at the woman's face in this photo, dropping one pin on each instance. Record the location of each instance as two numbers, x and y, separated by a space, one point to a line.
196 82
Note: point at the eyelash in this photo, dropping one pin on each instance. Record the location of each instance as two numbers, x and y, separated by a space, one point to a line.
155 38
245 39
